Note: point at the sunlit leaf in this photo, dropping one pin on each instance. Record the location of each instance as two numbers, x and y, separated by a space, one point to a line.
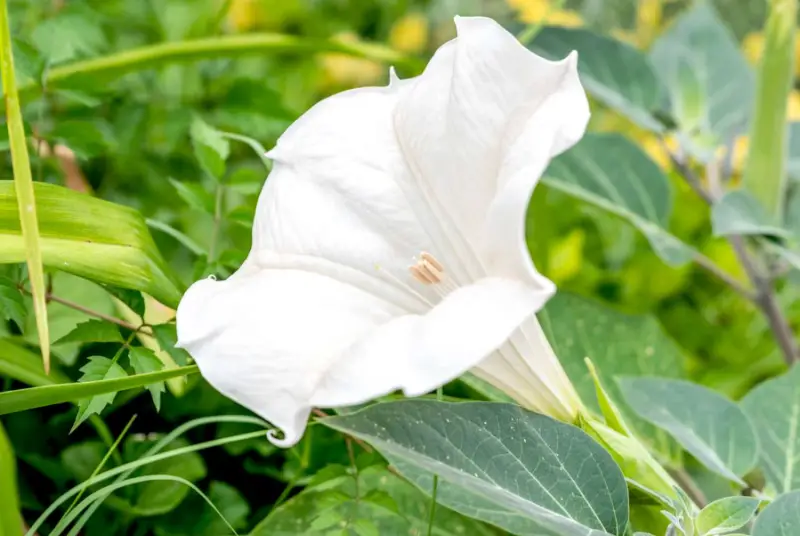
726 515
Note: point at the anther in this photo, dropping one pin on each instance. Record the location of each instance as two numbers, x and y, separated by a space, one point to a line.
427 270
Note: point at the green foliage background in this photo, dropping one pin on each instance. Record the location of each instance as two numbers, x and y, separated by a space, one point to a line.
126 137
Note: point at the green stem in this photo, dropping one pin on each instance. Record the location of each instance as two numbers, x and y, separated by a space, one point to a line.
216 47
23 185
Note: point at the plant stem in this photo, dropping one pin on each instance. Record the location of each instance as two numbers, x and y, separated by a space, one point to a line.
23 185
764 295
78 307
690 487
217 48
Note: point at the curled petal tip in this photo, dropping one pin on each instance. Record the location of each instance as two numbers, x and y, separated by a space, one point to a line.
287 441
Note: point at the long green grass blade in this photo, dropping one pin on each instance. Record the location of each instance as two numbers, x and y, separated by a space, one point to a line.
23 183
47 395
10 520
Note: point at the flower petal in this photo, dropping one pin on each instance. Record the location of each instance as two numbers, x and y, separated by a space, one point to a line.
478 128
281 341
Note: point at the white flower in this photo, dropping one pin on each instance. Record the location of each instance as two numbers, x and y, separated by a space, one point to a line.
389 242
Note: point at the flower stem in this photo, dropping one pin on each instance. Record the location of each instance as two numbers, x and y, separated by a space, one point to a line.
216 47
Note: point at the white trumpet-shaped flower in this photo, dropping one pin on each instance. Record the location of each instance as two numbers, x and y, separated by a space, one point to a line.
389 242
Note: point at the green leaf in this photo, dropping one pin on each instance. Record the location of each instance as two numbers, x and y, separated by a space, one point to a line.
618 344
720 436
193 517
37 397
793 155
402 509
528 464
725 515
210 148
159 497
143 360
167 337
132 298
92 331
615 73
709 82
21 364
194 195
69 36
10 515
774 410
98 368
780 518
739 213
91 238
12 306
765 172
612 173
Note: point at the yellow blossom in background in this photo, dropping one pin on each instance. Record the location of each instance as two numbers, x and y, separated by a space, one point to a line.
648 21
753 46
655 149
543 11
243 15
343 70
410 34
565 257
742 143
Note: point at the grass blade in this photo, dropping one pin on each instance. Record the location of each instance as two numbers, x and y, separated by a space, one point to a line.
23 183
10 520
47 395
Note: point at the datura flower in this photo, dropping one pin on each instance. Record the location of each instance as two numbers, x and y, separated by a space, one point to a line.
389 242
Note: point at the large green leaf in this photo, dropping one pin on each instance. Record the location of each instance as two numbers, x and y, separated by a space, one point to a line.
774 409
780 518
529 464
618 344
739 213
392 505
710 84
615 73
708 425
612 173
47 395
23 365
89 237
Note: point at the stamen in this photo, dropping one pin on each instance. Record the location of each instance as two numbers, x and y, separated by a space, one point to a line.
388 274
432 260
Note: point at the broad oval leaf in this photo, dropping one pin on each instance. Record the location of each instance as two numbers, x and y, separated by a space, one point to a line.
89 237
614 72
612 173
542 469
708 425
726 515
774 409
710 84
780 518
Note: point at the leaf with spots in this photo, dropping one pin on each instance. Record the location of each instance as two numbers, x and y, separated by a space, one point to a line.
615 175
523 463
774 410
618 344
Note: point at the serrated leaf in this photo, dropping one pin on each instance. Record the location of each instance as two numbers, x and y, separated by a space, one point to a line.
89 237
143 361
780 518
98 368
710 84
131 298
210 148
774 410
527 464
12 304
720 436
739 213
612 173
726 515
614 72
92 331
167 337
